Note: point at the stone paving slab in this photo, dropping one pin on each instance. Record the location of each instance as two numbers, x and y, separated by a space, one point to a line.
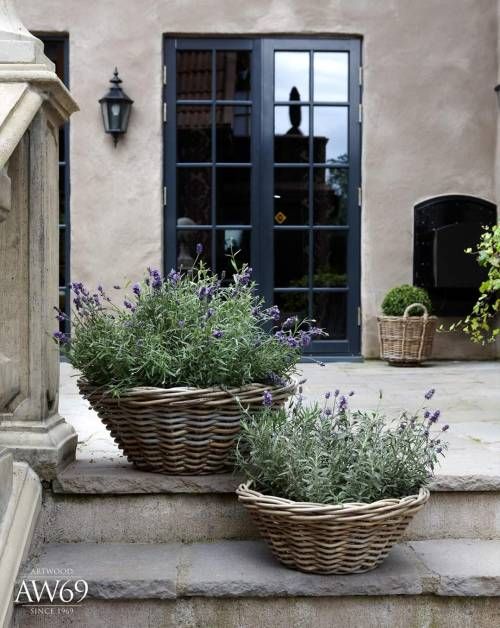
465 567
246 569
112 570
110 477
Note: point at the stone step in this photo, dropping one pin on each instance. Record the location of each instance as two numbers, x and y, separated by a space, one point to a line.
446 583
110 503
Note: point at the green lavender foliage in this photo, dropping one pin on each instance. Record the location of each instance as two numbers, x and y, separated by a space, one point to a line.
330 454
187 329
400 297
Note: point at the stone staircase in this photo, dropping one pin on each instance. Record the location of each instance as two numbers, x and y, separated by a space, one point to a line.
161 551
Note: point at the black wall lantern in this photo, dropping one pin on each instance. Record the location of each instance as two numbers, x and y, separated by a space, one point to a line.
115 107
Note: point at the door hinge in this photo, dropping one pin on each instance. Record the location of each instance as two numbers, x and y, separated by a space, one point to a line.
359 315
164 196
164 112
360 75
164 75
360 113
360 197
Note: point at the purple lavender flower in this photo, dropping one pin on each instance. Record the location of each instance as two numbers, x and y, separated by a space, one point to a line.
173 276
78 303
181 324
351 393
256 311
439 450
60 316
336 393
290 322
275 379
328 395
445 427
427 414
304 338
343 404
281 336
327 412
157 281
130 306
116 287
61 337
430 393
136 289
210 312
273 312
217 333
199 248
435 416
267 399
243 279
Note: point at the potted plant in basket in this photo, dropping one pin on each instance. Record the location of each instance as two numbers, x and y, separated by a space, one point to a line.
406 331
332 489
168 370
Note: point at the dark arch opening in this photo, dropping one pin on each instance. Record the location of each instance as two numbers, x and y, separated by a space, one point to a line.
444 226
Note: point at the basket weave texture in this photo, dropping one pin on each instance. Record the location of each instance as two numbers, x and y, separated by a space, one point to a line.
330 539
181 431
406 339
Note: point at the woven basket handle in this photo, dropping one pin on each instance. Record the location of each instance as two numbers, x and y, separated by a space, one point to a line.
420 305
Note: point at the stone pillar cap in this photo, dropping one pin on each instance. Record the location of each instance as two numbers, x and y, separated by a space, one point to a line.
17 44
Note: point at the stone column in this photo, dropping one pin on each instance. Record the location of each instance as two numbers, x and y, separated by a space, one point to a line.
33 104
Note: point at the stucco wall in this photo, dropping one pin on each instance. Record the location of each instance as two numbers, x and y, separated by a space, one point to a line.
430 118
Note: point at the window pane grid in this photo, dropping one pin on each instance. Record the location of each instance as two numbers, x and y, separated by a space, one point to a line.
229 111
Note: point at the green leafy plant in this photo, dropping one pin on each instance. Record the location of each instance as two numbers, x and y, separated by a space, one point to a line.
331 454
481 325
186 329
399 298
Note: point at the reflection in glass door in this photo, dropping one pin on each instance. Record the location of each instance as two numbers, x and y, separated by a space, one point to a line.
263 156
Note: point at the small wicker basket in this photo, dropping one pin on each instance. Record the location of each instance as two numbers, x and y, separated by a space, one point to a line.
406 340
181 431
330 539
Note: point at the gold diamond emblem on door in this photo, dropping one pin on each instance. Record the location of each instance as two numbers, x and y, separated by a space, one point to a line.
280 218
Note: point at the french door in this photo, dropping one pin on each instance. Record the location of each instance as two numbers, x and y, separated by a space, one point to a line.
262 156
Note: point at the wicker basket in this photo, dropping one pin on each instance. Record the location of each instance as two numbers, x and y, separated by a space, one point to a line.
406 340
330 539
181 431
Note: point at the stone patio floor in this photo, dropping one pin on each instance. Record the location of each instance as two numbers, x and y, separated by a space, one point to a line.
467 393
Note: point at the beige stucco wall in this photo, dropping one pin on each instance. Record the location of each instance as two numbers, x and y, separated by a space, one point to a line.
430 119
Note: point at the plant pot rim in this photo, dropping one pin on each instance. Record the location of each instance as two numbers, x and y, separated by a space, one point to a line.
184 396
310 511
290 384
412 317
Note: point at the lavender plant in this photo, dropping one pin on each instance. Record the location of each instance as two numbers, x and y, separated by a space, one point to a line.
331 454
189 328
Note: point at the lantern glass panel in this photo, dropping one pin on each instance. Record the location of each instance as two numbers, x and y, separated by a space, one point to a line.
125 115
105 117
114 113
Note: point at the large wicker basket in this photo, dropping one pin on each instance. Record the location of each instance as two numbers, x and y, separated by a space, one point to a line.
330 539
181 431
406 340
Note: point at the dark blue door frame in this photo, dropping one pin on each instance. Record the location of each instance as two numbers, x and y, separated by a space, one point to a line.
263 226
